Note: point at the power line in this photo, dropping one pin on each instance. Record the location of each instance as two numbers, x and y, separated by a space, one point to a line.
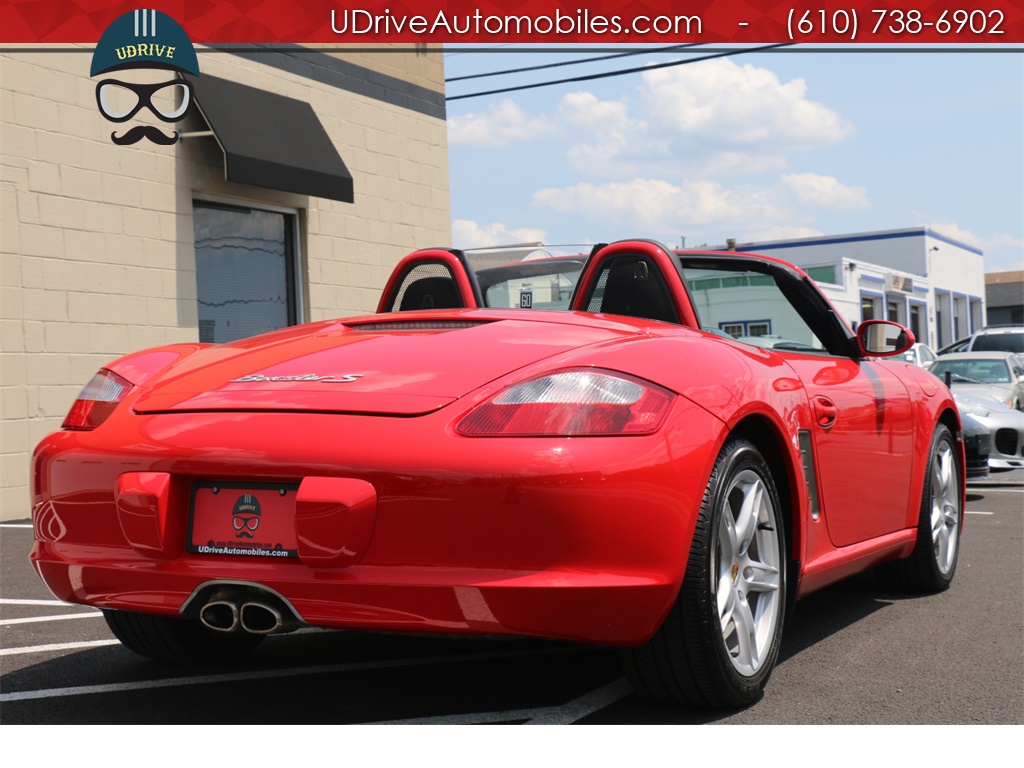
616 73
570 63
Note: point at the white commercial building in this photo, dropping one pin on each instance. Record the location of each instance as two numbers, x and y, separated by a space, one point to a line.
929 282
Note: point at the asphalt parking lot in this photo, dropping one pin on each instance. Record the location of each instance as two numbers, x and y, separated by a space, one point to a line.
854 653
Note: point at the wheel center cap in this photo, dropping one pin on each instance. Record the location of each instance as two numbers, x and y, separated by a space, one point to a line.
735 571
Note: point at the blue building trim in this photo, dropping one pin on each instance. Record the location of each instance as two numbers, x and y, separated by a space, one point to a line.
861 239
872 279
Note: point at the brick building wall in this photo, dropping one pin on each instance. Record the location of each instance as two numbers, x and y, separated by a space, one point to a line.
98 253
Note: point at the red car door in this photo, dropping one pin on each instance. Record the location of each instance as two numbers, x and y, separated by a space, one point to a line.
863 436
862 423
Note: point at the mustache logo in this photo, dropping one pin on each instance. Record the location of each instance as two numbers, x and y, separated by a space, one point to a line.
140 132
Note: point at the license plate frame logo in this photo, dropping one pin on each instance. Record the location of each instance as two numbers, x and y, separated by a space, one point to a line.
251 520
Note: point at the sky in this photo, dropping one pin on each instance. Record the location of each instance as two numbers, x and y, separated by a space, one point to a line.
760 146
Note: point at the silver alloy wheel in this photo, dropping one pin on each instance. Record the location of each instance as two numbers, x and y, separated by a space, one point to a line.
945 507
749 555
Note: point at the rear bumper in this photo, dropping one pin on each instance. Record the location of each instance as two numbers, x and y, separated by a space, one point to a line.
582 539
598 608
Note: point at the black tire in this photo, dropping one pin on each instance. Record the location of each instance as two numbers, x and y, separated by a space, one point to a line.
693 659
179 641
932 564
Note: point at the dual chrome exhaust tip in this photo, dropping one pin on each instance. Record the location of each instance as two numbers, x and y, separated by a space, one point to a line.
228 607
254 617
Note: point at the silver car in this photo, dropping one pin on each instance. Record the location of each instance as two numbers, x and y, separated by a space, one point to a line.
996 375
1005 424
995 338
920 355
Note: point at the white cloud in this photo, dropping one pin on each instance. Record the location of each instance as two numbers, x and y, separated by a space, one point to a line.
731 163
711 118
1005 267
644 201
825 192
781 232
504 122
584 110
1002 251
724 104
609 142
657 205
1005 241
705 119
949 229
470 234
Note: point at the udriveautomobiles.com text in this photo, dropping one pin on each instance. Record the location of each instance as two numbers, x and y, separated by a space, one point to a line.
361 22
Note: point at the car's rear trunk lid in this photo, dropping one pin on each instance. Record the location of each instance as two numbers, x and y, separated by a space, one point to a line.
394 365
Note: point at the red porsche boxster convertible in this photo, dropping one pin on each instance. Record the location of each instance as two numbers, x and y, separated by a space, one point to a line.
622 473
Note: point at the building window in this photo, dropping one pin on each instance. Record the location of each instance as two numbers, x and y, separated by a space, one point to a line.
958 305
917 326
893 310
942 312
245 271
737 328
976 322
870 307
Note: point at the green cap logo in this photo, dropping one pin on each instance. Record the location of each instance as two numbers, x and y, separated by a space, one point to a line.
144 38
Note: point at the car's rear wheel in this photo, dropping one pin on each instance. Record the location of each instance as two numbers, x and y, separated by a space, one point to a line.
182 641
719 643
932 564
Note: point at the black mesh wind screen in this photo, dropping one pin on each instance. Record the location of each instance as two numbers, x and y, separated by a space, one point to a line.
633 286
427 286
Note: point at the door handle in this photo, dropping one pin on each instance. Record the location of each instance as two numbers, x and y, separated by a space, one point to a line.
824 412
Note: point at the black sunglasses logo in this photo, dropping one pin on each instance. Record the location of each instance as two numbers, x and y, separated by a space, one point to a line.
120 101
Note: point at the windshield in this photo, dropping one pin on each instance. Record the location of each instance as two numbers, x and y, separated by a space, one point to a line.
999 342
749 307
984 371
546 283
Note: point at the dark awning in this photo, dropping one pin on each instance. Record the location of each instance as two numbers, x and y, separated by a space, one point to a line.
271 140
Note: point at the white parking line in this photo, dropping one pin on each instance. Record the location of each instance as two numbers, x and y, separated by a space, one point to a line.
173 682
55 647
18 601
62 617
579 708
564 714
473 718
15 525
977 512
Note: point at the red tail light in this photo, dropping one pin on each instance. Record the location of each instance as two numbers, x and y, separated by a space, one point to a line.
97 401
572 402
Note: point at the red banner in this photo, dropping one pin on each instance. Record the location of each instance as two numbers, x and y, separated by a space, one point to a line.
594 22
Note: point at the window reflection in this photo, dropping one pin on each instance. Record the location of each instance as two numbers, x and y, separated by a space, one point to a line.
244 271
